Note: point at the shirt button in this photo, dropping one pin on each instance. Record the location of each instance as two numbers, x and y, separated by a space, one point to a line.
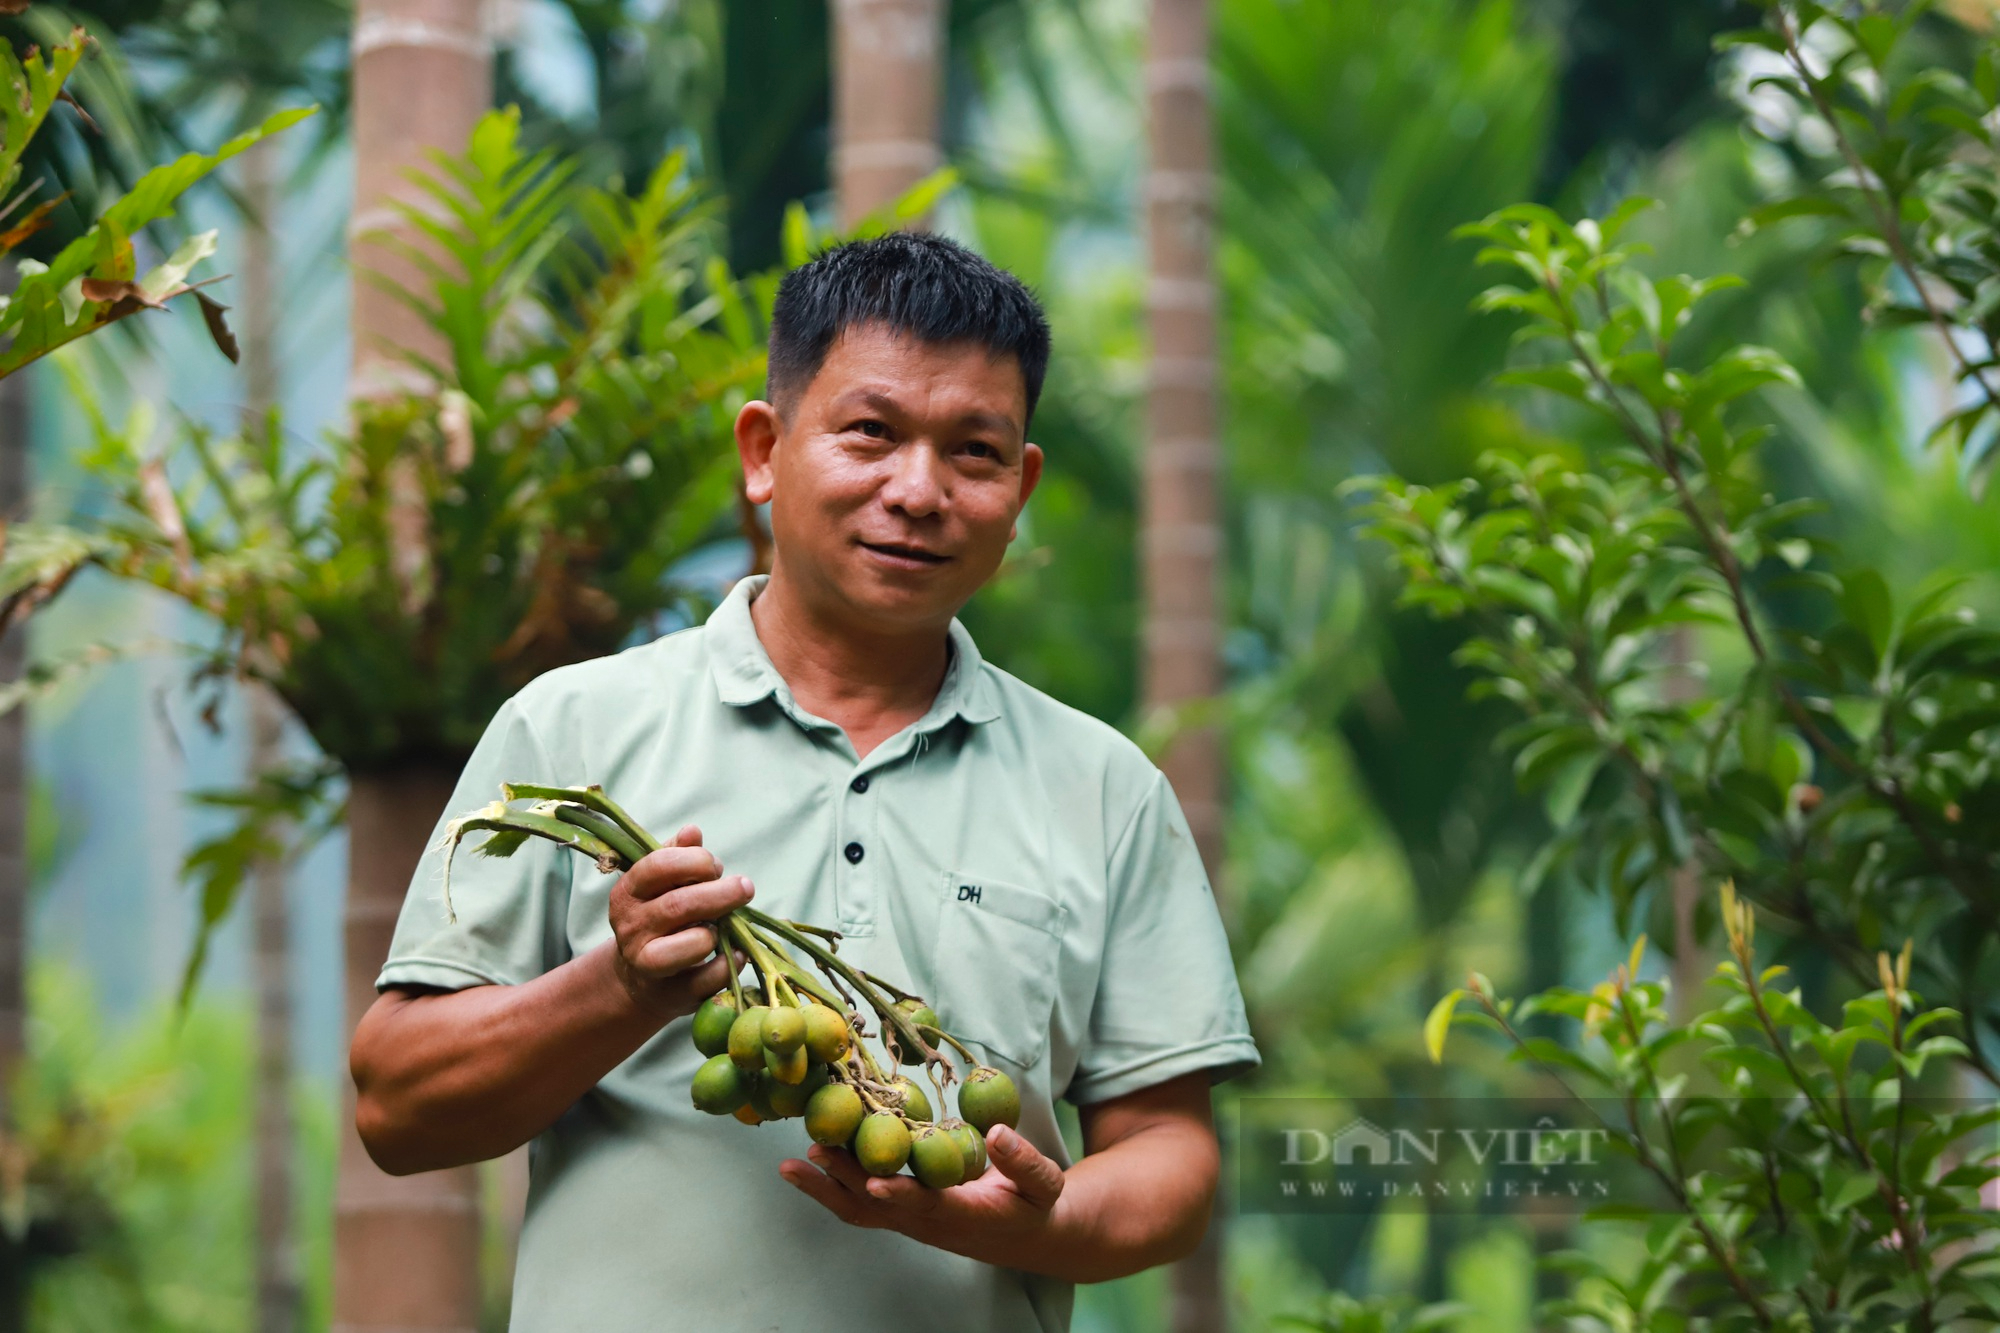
859 784
854 853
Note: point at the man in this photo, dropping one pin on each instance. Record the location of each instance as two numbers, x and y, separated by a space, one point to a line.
832 734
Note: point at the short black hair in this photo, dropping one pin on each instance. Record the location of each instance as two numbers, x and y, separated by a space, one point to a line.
918 284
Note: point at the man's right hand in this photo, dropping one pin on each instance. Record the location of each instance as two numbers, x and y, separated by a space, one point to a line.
668 957
461 1076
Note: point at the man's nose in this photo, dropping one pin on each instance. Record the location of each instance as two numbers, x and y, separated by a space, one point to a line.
916 482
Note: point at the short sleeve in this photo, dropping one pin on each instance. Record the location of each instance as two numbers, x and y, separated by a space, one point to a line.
1167 1000
510 911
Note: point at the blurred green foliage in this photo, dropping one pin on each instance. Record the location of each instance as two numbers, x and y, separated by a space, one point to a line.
1705 689
137 1145
395 585
527 507
1845 776
1808 1181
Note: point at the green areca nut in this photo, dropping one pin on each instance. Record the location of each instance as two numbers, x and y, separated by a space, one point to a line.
719 1086
882 1144
784 1030
971 1146
746 1038
827 1033
916 1106
989 1098
712 1023
833 1114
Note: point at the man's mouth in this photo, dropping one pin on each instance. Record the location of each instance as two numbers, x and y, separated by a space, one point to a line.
915 555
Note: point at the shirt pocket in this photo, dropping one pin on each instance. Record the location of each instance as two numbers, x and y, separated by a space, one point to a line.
998 945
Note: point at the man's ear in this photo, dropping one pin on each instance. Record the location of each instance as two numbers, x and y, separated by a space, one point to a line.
1031 477
756 441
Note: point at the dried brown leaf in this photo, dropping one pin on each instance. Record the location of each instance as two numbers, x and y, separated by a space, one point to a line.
123 297
212 312
19 605
37 220
12 7
74 105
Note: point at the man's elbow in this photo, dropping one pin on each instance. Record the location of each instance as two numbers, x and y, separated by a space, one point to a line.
1156 1247
1188 1231
386 1137
383 1124
1187 1238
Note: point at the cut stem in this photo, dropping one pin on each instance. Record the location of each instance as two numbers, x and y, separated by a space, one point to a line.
607 829
591 797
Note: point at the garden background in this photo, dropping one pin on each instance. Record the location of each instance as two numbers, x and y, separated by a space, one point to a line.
1244 219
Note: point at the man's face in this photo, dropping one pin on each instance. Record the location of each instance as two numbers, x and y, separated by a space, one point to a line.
895 479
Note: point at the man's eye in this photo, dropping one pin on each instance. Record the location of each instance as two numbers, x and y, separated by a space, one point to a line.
874 430
981 449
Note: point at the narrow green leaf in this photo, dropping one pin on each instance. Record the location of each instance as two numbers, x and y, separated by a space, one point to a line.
1437 1024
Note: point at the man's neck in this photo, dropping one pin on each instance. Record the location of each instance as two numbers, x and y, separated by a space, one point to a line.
869 685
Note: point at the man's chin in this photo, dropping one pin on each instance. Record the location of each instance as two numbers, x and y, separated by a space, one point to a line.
904 600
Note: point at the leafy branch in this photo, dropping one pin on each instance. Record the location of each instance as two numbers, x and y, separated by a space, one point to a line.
1818 1177
1578 573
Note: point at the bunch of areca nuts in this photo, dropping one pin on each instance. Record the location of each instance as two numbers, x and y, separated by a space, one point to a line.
792 1043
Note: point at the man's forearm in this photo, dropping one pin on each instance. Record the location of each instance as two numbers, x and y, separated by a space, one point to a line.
445 1079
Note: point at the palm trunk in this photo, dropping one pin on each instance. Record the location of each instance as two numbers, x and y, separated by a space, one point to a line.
1182 534
13 836
277 1276
423 75
888 78
279 1281
406 1251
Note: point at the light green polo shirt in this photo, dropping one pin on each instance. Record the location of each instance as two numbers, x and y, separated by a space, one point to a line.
1018 863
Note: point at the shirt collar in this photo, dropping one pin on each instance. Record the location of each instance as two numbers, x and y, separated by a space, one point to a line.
744 675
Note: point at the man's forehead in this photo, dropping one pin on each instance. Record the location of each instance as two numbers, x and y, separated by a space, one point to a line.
877 368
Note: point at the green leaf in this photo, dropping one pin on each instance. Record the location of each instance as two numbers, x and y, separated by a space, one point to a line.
1763 37
1567 379
46 313
1848 1188
1437 1024
1787 1257
1613 224
1865 600
1517 590
1877 34
28 91
1739 371
502 844
278 818
1569 785
157 284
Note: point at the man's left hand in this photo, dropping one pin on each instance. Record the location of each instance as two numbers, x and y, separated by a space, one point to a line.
997 1218
1139 1195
